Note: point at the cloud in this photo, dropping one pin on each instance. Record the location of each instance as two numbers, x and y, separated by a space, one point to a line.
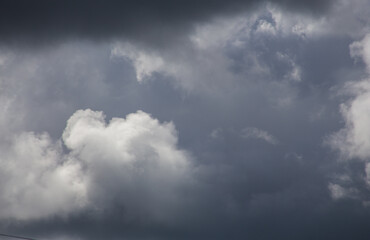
256 133
216 133
144 63
353 141
361 49
133 161
339 192
212 76
189 66
37 181
225 52
45 20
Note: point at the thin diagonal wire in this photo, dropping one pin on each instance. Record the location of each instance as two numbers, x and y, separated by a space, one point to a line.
13 236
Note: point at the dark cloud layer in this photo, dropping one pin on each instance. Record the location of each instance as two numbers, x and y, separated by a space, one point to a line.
37 22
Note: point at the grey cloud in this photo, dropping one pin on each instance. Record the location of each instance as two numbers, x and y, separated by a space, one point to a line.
352 140
256 133
230 43
238 188
41 21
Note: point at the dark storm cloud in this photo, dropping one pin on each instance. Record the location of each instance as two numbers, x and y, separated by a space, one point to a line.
257 166
44 20
245 187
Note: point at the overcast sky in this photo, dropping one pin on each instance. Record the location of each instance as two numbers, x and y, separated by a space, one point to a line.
159 119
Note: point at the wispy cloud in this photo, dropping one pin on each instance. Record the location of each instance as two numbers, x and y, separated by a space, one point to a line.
252 132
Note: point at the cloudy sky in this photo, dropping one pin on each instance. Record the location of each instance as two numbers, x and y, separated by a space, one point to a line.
133 120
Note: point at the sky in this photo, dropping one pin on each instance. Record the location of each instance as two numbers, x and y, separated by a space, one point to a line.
146 120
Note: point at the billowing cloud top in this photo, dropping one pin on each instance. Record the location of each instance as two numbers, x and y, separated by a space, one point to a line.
138 152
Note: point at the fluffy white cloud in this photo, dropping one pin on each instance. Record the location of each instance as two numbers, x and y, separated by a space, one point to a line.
36 179
353 141
133 162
